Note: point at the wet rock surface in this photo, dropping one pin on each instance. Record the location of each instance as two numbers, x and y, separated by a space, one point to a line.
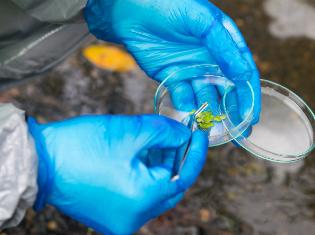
236 193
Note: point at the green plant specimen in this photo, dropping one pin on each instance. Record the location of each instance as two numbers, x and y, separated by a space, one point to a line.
206 119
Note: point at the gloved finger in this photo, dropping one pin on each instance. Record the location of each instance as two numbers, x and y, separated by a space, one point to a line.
230 106
156 132
169 157
162 168
177 78
182 96
192 167
254 80
160 175
206 92
232 112
167 205
143 156
227 55
195 160
161 157
151 157
246 100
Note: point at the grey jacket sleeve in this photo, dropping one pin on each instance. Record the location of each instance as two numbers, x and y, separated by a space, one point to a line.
18 166
53 11
30 44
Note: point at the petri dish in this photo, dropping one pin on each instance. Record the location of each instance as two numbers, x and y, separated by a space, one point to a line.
285 131
202 80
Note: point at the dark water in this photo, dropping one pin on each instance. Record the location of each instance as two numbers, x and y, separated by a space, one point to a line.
236 193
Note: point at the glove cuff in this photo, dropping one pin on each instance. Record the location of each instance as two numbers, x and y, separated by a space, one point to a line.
98 16
44 179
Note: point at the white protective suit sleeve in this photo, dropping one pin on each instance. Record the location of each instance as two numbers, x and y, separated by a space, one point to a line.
18 166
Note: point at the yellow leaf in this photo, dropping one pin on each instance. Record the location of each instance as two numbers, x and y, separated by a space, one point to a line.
109 57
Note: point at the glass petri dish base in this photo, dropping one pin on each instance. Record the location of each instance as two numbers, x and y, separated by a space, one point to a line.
208 86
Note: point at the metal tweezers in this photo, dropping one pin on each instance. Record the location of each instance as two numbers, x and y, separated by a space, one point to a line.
190 125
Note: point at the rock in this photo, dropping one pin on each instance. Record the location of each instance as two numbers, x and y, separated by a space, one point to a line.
187 231
205 215
52 226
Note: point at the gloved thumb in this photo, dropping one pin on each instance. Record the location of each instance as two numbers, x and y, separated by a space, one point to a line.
158 132
44 166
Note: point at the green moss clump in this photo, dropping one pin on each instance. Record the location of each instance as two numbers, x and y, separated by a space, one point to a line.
206 119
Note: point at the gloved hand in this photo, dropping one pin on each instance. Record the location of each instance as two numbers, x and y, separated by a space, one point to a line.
165 36
113 173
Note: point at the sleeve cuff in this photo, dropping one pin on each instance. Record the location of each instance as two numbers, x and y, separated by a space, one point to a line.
18 166
60 11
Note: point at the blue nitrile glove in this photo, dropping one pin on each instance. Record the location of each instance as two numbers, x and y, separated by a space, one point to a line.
113 173
166 35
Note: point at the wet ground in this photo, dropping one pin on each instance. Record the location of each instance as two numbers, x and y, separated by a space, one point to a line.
236 193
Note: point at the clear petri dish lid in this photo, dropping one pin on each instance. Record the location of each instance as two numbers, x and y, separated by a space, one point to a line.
189 88
285 131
